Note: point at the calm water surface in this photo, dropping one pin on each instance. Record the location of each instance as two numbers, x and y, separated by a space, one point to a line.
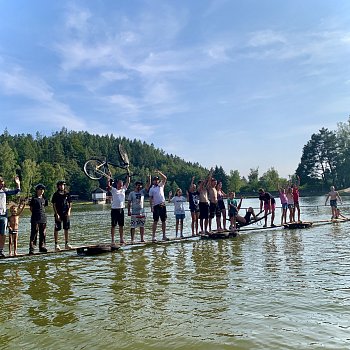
275 289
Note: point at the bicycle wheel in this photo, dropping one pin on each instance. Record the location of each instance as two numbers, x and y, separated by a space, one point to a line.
123 155
94 169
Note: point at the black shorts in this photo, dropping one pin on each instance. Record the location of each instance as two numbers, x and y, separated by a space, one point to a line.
194 209
159 211
212 209
203 210
117 217
65 222
221 205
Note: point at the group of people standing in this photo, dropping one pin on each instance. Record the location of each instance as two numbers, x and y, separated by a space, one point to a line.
206 202
61 202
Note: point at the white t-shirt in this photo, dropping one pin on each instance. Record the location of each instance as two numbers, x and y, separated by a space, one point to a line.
118 198
179 204
157 194
2 201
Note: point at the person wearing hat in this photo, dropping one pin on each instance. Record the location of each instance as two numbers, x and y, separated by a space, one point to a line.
136 210
62 206
157 203
4 192
38 219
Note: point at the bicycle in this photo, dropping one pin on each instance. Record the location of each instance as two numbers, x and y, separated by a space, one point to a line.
97 167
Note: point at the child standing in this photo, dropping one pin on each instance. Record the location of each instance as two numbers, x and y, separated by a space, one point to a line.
284 204
290 198
13 224
193 199
232 209
38 219
334 196
179 210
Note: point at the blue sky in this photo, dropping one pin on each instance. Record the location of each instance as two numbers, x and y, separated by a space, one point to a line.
242 84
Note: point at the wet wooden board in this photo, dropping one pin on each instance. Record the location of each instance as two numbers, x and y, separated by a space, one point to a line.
138 244
97 249
298 225
81 250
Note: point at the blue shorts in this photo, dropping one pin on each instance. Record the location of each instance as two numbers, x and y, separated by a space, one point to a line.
179 216
284 205
3 224
333 203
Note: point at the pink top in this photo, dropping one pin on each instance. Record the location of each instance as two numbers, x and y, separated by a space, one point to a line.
283 198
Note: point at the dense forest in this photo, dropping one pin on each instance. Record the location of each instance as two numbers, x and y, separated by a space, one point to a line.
46 159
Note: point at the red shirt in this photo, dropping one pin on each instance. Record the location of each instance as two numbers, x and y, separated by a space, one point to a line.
295 194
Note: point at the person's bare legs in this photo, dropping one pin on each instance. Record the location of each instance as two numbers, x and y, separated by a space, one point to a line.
154 228
163 229
181 227
112 234
142 234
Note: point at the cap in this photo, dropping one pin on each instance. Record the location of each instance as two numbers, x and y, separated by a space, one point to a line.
138 183
39 187
155 177
61 182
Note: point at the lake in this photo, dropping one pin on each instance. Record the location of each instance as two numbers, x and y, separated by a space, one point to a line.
267 289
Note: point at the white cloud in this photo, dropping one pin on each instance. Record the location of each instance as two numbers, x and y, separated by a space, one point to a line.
266 37
44 106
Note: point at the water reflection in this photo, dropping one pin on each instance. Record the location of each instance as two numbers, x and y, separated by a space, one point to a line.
39 292
293 250
268 289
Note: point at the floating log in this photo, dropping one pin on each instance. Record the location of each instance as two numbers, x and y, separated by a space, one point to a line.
96 249
296 225
216 235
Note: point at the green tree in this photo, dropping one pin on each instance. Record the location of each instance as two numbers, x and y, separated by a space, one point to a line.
8 164
270 179
234 181
30 176
343 167
320 158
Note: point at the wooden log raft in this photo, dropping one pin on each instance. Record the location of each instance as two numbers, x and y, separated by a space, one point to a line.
296 225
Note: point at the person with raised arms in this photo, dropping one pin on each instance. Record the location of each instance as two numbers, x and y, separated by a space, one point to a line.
4 192
13 226
157 203
118 190
204 203
295 188
213 201
193 199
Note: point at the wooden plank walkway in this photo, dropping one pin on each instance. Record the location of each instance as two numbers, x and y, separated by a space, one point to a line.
95 249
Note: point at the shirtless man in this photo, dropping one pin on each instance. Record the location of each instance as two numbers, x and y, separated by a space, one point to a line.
213 200
333 195
203 203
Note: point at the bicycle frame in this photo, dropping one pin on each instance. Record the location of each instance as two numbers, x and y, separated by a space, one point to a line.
97 167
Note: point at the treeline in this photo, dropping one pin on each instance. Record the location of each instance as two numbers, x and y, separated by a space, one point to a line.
325 159
36 159
46 159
